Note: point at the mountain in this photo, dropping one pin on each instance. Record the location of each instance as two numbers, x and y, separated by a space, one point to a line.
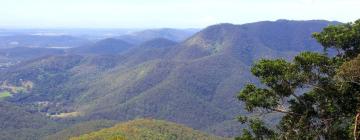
106 46
147 129
252 41
197 81
176 35
42 41
193 82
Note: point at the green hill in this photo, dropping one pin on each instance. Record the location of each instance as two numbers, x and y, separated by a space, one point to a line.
147 129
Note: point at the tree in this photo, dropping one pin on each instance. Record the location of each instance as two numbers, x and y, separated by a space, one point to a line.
318 95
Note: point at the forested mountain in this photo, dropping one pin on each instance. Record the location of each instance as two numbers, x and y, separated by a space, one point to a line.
194 82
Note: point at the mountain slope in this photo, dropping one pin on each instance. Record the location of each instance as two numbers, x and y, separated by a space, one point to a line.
149 50
18 123
147 129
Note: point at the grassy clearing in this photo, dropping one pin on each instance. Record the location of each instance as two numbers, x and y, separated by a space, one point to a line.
5 94
66 115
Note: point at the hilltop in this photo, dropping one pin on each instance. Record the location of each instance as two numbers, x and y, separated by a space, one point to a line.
147 129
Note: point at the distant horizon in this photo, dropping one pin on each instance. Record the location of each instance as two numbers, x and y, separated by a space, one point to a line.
145 14
155 28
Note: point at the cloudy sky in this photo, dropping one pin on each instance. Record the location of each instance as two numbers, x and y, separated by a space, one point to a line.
166 13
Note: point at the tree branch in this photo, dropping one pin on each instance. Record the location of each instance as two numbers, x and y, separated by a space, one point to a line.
284 111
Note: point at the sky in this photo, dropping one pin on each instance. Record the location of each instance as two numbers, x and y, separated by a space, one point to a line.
167 13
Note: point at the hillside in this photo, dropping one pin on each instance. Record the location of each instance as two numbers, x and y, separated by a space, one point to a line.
193 83
18 123
147 129
154 49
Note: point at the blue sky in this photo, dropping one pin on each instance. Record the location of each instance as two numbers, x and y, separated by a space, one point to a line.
166 13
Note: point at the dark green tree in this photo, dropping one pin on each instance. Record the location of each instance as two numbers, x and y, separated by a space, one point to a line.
318 95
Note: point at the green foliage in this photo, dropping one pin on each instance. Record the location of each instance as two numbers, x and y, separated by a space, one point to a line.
259 131
350 71
345 38
322 93
258 97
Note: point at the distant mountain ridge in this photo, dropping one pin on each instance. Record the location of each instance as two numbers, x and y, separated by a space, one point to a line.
106 46
281 36
176 35
41 41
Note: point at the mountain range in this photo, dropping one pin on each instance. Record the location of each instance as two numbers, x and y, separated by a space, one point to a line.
193 82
